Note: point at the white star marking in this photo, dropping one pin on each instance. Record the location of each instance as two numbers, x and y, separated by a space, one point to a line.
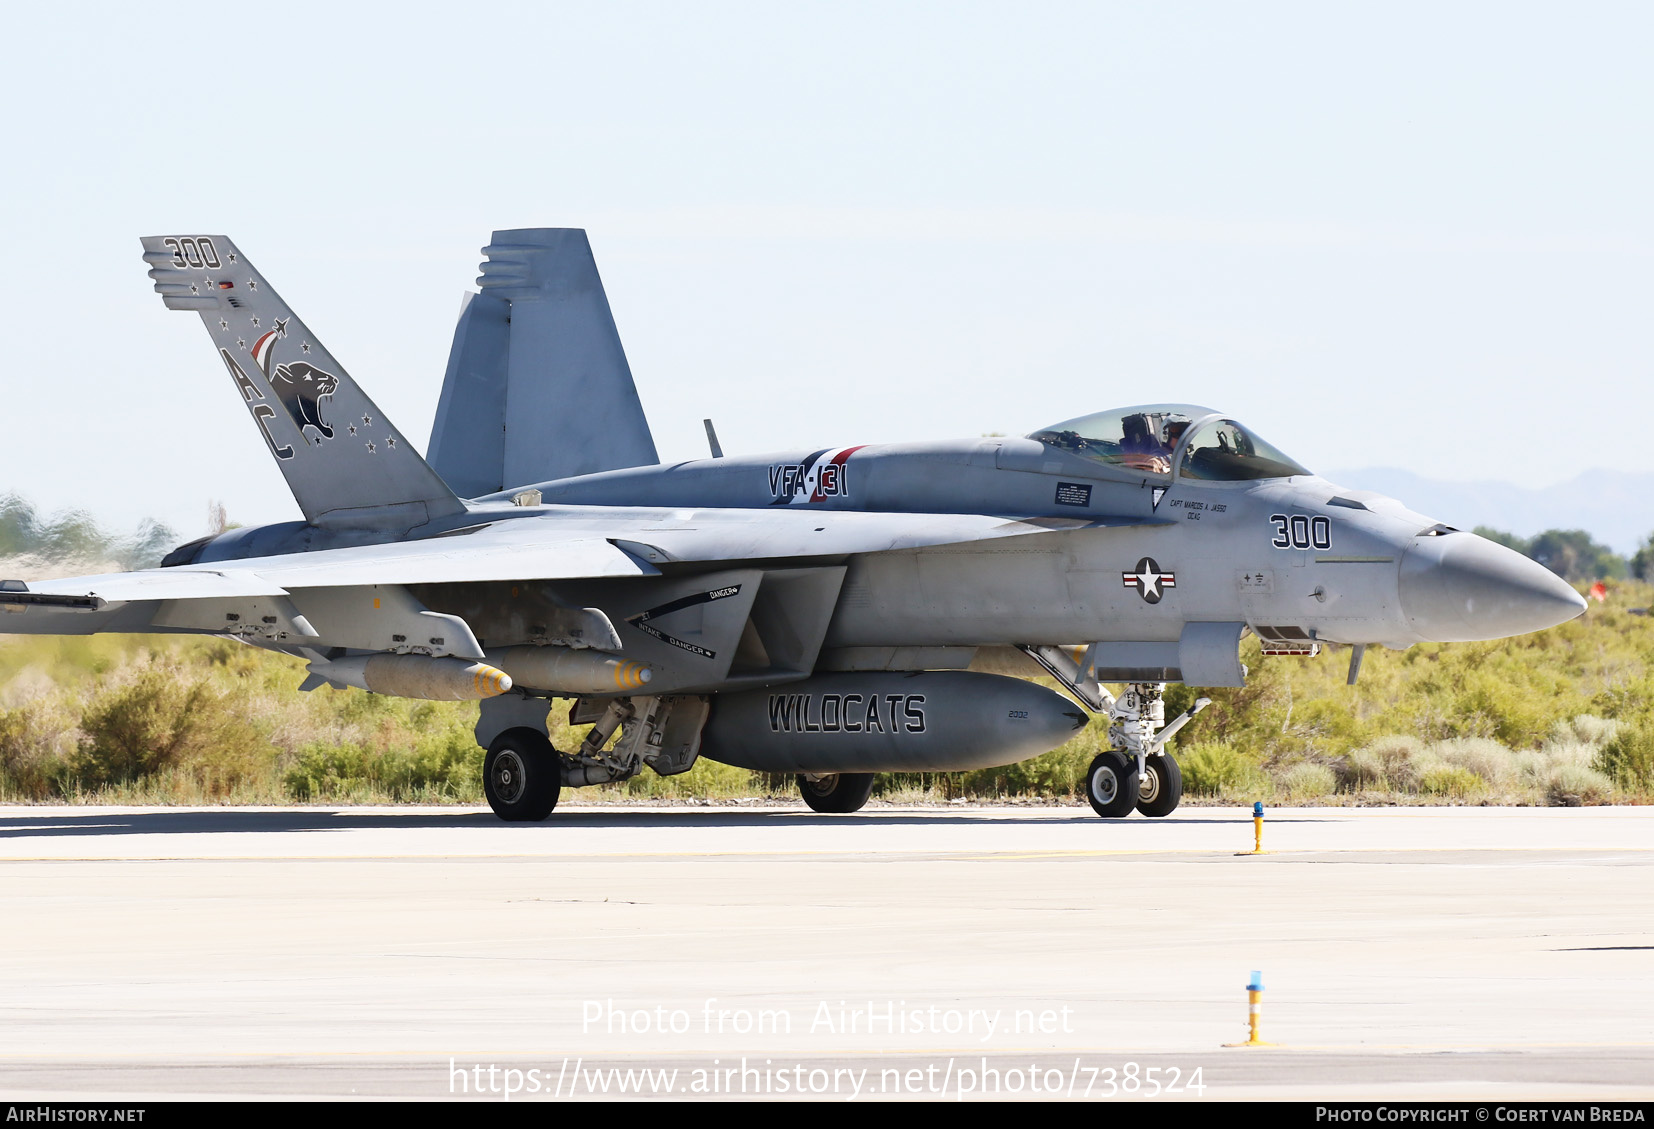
1150 583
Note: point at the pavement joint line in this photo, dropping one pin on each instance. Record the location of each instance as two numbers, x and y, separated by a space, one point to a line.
900 854
871 852
1102 1048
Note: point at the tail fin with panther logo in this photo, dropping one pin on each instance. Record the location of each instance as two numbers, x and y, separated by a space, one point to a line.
344 461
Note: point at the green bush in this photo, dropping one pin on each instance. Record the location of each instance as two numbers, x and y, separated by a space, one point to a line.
1389 764
159 721
1628 758
1487 760
446 766
1453 781
1307 781
1571 785
32 765
1212 770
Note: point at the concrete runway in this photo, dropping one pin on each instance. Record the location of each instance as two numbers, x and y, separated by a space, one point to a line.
1413 953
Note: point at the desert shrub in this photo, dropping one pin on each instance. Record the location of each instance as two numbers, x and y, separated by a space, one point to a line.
446 765
1628 757
1567 751
1585 729
1451 780
161 720
1478 756
1570 785
35 741
1212 769
1387 763
327 772
1307 781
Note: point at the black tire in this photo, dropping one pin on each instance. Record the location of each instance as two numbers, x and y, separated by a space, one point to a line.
838 794
1111 785
1161 787
522 776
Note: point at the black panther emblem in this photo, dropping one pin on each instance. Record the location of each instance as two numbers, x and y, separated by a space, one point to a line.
301 387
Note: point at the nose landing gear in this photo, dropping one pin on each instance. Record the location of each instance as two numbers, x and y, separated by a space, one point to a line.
1137 772
1112 785
1160 787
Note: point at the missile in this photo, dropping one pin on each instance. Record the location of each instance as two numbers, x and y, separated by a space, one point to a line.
567 670
923 721
416 676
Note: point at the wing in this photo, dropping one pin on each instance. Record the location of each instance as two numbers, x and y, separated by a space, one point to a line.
563 543
359 597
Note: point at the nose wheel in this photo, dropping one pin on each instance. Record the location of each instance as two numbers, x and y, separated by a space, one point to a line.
1161 786
1112 785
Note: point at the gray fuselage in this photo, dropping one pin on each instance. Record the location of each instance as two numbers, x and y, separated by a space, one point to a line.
1297 555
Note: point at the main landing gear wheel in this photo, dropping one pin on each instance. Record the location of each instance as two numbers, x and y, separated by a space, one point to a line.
1111 785
1161 786
522 776
836 793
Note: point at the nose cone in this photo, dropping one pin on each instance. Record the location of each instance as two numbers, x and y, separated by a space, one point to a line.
1459 587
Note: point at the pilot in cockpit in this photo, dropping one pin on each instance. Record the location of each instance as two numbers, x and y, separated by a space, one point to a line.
1141 448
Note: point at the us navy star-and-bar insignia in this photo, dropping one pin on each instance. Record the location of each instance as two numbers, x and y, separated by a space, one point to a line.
1149 580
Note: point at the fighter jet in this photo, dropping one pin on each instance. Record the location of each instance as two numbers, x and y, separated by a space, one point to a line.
833 613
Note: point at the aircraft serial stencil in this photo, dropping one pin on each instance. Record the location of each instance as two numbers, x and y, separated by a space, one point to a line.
835 613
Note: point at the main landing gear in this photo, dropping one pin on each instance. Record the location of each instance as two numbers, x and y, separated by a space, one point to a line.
835 793
522 776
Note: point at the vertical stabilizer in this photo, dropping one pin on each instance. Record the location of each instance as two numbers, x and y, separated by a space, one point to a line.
468 439
537 387
344 461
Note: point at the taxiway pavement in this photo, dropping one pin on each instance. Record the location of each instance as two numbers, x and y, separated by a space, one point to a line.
1428 953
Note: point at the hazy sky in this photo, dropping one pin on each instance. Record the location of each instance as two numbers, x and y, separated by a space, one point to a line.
1390 234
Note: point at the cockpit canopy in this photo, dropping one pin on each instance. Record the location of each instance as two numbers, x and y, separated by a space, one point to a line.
1145 439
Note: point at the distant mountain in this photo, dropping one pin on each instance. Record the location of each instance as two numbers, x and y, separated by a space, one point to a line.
1617 508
